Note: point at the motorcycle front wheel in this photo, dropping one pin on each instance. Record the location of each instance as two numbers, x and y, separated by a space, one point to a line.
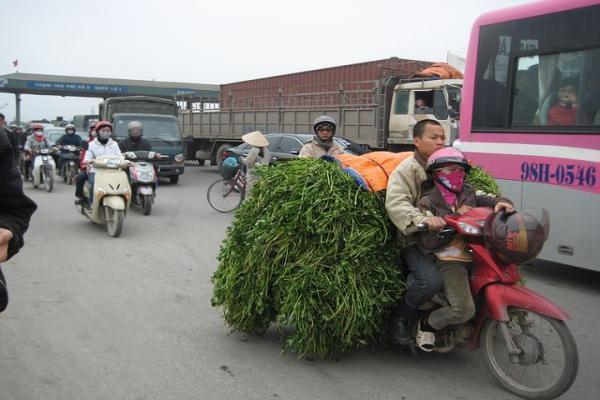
548 363
146 204
71 173
114 221
48 179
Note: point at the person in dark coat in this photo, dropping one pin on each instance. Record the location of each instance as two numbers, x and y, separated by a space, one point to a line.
134 141
15 210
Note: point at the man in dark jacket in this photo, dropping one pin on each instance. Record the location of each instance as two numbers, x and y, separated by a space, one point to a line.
15 210
134 141
69 138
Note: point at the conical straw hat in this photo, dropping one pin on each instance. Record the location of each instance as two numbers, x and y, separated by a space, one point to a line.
255 139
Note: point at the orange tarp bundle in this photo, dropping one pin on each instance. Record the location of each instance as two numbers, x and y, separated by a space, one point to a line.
374 167
441 70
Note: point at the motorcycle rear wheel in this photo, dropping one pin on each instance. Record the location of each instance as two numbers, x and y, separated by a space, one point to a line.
114 221
549 362
146 204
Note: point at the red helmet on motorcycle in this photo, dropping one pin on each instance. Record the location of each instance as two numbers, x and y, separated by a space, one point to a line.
36 126
102 124
517 237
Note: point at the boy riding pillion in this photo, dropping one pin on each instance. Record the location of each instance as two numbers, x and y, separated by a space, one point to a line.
446 193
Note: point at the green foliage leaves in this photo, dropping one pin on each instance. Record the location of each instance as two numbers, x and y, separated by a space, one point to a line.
480 179
312 252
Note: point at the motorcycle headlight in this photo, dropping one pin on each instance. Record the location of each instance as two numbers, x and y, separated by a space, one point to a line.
112 163
469 229
179 158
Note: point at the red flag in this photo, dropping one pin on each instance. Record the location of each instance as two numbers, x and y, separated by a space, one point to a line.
15 63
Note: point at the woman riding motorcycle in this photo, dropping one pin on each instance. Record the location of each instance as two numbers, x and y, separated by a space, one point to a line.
33 145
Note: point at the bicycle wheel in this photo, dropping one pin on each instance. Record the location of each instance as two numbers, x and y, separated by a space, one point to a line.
224 195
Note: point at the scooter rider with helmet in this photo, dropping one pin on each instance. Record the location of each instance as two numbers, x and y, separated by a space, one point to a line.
101 146
32 147
69 138
134 140
324 128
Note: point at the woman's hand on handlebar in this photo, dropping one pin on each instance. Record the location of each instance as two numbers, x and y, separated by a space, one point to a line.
503 205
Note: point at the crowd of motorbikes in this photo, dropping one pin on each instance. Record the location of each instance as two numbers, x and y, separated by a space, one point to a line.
119 181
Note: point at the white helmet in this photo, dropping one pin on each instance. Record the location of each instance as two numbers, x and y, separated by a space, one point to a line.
135 129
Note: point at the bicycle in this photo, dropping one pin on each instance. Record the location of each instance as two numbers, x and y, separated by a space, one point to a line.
225 195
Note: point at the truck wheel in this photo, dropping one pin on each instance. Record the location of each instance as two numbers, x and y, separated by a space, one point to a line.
220 151
174 179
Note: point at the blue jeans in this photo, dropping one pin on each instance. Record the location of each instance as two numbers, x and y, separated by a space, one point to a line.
91 179
424 280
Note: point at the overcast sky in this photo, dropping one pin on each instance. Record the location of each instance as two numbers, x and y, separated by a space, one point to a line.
217 42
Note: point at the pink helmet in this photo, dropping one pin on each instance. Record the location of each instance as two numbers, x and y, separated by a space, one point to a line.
447 155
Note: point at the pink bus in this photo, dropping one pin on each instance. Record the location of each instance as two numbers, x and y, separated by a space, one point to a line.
530 114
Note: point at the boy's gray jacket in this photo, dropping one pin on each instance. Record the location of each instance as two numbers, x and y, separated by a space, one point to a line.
402 196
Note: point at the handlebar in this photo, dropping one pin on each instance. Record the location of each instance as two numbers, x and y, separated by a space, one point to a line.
444 232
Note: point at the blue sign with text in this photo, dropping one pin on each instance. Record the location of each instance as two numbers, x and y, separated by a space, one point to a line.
83 87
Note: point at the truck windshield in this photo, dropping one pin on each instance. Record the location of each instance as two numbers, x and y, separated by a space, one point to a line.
454 97
156 128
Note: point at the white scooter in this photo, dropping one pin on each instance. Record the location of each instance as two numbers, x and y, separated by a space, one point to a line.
43 170
112 194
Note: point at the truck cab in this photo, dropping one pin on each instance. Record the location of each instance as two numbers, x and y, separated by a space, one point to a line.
413 101
162 131
159 121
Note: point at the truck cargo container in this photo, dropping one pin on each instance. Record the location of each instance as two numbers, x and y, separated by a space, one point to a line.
378 111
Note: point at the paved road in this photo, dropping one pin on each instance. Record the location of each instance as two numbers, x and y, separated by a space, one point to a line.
93 317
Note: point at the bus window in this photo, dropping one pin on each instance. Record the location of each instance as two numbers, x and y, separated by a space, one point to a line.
549 48
557 89
525 94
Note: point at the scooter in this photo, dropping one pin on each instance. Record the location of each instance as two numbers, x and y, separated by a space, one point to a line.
43 170
143 177
69 168
110 200
525 342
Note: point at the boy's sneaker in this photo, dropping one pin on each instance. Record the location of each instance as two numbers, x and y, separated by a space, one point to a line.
78 201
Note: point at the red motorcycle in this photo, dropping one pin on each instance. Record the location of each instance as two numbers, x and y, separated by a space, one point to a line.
525 342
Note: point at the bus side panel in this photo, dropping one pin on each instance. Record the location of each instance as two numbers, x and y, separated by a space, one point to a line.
570 229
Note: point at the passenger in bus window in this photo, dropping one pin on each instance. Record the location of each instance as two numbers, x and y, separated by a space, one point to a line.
565 111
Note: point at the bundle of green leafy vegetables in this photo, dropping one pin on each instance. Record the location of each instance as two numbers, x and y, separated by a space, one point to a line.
312 254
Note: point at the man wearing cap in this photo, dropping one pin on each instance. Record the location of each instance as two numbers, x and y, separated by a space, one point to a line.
258 155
